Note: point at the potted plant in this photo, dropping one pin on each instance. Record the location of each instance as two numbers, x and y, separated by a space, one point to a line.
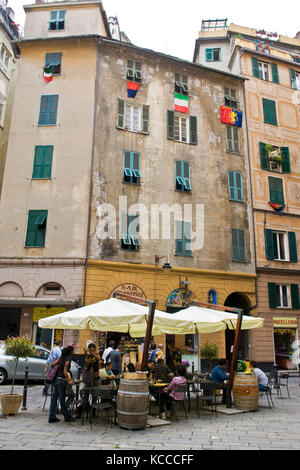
209 352
17 348
274 153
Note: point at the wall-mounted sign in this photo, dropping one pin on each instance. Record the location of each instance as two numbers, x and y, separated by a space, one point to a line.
130 289
283 322
42 312
267 35
180 298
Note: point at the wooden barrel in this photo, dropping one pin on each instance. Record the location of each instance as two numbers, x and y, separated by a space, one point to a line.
245 391
133 401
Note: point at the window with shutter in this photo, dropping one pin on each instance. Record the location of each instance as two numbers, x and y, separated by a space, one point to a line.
48 110
230 98
134 71
232 139
54 60
213 55
182 176
272 295
275 74
57 20
42 164
183 236
235 186
130 239
238 245
36 228
276 190
295 79
131 167
269 110
295 296
133 118
293 247
181 84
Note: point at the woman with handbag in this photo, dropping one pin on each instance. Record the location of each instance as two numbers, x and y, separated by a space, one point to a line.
60 385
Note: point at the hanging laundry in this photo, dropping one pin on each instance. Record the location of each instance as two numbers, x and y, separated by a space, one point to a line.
181 103
231 116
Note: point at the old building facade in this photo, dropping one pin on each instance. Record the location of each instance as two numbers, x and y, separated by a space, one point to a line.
45 197
271 65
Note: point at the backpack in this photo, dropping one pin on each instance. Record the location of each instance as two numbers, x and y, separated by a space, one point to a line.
51 376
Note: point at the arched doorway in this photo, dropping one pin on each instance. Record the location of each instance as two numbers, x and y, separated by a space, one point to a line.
237 300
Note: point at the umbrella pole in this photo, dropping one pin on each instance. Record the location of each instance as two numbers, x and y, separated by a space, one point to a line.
148 334
234 355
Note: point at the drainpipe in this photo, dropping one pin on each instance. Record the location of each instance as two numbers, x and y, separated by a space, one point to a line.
96 92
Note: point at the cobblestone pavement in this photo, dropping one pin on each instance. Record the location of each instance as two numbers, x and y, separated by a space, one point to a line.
276 428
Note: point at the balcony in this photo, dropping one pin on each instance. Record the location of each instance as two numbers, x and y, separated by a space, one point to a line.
6 20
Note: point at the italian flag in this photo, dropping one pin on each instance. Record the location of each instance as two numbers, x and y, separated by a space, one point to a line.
48 74
181 103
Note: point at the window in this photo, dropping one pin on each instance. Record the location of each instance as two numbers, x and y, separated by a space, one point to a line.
134 71
53 59
283 295
42 164
274 158
48 110
181 85
57 20
230 98
213 55
276 190
36 228
280 245
130 239
235 186
296 59
269 110
4 59
2 109
131 167
182 176
232 139
238 245
183 237
295 79
181 128
133 118
262 70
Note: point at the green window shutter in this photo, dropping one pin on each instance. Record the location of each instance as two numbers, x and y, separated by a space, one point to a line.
121 114
295 296
272 295
293 247
187 227
293 79
193 130
255 68
238 245
286 166
179 234
209 57
269 110
276 190
235 186
269 242
48 110
36 228
264 162
275 74
170 125
145 127
42 161
231 186
186 175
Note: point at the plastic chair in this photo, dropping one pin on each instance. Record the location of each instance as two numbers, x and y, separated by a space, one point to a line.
179 389
207 392
97 403
284 382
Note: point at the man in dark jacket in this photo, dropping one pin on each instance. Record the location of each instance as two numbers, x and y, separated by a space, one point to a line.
115 358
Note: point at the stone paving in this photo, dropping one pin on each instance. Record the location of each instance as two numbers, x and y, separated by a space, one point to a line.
275 428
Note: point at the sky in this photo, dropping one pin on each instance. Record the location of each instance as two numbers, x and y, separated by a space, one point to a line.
172 26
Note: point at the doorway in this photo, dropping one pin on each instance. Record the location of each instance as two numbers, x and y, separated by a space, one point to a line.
10 321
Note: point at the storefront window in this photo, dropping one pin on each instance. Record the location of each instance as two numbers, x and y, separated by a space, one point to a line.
283 340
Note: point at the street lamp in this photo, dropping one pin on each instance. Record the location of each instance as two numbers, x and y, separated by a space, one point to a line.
166 265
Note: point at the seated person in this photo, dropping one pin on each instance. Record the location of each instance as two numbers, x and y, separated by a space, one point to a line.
150 368
262 379
161 371
170 393
106 372
131 367
218 375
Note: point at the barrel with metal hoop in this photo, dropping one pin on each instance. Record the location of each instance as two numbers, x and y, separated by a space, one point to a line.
245 391
133 401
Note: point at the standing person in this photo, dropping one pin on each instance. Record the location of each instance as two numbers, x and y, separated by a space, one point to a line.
218 375
91 365
60 385
107 351
53 356
159 353
262 379
115 358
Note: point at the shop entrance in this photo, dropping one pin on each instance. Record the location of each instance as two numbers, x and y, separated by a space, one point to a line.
283 340
10 321
237 300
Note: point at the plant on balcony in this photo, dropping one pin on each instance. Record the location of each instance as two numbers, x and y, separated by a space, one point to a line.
274 153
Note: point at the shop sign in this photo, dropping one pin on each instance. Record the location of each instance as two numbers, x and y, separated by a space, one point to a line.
283 322
42 312
58 336
129 289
